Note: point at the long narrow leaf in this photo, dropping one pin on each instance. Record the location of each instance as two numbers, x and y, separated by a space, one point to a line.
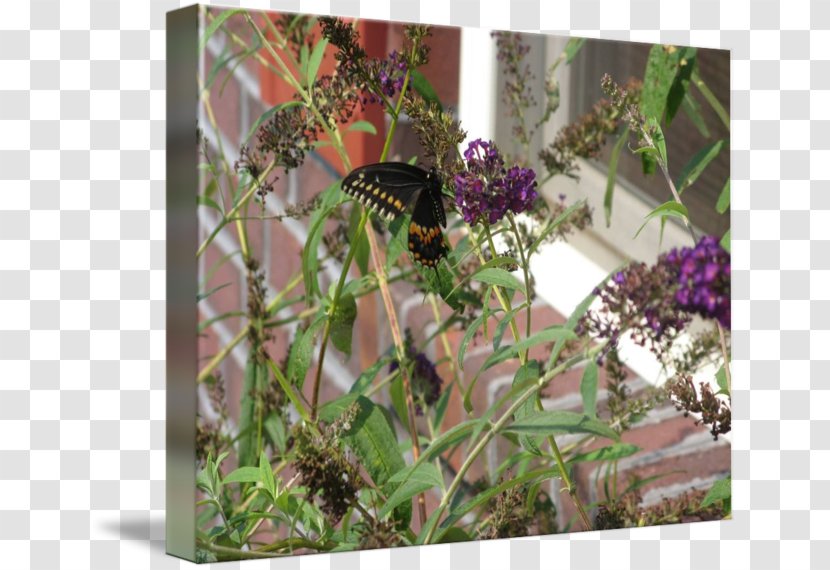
670 208
215 25
611 183
698 164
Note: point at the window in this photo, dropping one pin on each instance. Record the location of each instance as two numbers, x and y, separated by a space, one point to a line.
623 60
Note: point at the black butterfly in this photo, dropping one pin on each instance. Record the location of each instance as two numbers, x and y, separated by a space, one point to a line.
389 188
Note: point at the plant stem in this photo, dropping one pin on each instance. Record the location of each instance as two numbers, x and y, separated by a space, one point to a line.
236 553
526 270
436 312
506 417
380 272
233 211
338 289
240 227
503 301
222 354
364 217
569 485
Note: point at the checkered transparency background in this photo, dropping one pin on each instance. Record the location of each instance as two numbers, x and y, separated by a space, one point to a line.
82 284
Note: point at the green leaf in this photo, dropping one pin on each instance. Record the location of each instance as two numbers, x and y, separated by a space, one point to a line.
720 376
659 141
203 325
398 397
482 498
246 474
499 277
698 164
512 351
572 48
670 208
553 225
209 202
370 437
449 438
722 114
315 60
550 334
266 476
531 371
299 358
495 262
553 422
274 429
611 183
720 491
588 389
288 389
330 197
454 534
367 377
268 114
424 88
406 485
362 126
723 200
442 405
215 25
692 109
726 241
253 384
206 294
609 453
342 323
680 86
359 241
468 336
502 326
661 68
640 483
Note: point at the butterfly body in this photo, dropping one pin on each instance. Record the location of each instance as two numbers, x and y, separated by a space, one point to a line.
389 188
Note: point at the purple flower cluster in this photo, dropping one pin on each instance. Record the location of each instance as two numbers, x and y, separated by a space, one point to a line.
704 276
487 190
426 383
391 74
657 302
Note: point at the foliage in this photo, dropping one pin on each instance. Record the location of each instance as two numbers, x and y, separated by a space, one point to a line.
296 474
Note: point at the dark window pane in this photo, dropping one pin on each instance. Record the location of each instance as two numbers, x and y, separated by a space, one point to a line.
624 60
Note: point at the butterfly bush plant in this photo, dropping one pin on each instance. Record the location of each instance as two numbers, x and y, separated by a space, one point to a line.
379 466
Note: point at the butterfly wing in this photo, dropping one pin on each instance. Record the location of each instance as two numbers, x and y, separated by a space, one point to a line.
426 240
387 187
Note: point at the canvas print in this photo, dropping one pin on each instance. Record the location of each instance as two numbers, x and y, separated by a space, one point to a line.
431 284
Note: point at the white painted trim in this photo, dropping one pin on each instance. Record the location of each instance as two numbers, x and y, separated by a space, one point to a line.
477 93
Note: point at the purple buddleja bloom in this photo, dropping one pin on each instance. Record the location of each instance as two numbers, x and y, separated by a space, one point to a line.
638 299
487 190
425 381
391 73
703 277
656 302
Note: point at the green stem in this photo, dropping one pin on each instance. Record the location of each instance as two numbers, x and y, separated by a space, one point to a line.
233 211
236 553
496 427
525 269
222 354
503 301
364 217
